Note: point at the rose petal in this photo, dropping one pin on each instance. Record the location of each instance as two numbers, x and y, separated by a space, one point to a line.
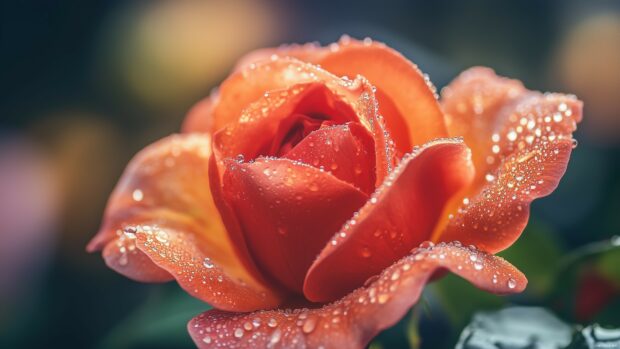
288 211
200 117
401 214
122 252
521 151
347 151
407 99
246 89
262 122
354 320
161 189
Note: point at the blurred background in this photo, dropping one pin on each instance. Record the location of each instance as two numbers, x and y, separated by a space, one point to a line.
87 84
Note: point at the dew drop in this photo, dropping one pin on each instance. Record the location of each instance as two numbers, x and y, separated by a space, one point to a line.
272 322
238 333
207 263
478 266
512 283
512 136
309 325
137 195
161 236
275 336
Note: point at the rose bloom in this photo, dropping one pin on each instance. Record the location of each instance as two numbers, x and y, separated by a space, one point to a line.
313 195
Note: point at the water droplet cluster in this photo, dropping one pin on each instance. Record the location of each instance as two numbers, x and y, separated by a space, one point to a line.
361 309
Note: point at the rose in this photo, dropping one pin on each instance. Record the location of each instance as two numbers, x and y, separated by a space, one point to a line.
291 187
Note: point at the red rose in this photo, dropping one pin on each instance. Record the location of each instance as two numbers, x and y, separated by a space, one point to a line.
309 180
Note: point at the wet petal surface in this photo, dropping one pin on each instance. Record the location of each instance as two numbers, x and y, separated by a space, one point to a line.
346 151
401 214
407 98
161 193
287 211
355 319
256 91
521 149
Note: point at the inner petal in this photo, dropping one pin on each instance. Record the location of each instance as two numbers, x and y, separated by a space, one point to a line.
347 151
287 211
274 124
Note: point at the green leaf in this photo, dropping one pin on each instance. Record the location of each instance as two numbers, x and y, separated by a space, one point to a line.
460 299
160 321
516 328
536 254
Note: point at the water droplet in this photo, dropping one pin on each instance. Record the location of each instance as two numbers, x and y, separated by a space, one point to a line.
207 263
161 236
383 298
489 177
137 195
512 136
478 266
275 337
272 322
473 257
365 252
238 333
309 325
256 322
239 158
427 244
575 143
207 339
465 201
512 283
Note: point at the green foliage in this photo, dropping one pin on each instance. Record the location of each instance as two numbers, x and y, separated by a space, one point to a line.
160 321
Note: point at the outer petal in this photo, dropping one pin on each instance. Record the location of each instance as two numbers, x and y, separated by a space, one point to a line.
249 89
522 150
354 320
347 151
288 211
163 206
401 214
407 99
122 255
200 117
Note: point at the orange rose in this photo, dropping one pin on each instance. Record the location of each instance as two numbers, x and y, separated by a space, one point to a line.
314 180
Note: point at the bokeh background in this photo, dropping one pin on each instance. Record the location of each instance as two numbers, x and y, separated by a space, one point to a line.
86 84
